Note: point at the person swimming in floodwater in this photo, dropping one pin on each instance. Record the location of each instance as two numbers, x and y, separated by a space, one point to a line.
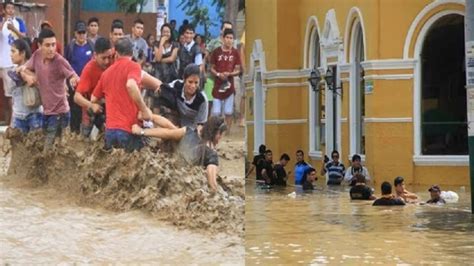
387 198
361 191
435 193
402 193
196 147
309 178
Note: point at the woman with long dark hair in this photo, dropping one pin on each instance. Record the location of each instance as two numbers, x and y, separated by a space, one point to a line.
166 54
196 147
26 118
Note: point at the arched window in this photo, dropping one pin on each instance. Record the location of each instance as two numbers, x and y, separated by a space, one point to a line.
358 90
316 98
443 94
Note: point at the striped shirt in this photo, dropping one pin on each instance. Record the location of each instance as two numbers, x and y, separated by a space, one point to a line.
335 172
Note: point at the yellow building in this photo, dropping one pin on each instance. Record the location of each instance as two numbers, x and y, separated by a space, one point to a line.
398 98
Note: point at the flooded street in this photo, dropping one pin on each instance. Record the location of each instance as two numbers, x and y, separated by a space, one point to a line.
36 228
41 225
326 227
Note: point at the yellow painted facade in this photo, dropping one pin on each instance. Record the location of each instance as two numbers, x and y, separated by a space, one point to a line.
278 34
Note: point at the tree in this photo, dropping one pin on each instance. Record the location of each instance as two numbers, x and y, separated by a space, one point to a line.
199 14
130 6
228 9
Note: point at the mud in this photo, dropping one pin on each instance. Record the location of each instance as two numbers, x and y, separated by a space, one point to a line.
155 182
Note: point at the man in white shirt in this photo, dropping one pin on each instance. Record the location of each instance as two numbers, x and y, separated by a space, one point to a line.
356 168
12 28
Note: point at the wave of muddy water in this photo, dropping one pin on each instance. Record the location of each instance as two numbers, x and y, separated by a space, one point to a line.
79 201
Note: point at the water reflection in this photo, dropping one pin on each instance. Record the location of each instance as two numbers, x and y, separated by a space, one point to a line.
326 227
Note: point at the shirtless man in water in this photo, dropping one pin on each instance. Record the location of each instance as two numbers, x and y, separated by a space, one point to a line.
401 192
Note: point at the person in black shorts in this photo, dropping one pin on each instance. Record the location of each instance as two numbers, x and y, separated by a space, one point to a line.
361 191
256 163
387 198
279 172
309 178
195 147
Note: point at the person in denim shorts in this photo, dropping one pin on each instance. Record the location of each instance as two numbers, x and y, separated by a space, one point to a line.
24 118
119 85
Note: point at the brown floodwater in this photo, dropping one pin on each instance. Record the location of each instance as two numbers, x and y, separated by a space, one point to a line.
145 209
37 228
326 227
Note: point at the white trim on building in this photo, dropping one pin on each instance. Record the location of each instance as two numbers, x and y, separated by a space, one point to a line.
281 122
417 80
416 22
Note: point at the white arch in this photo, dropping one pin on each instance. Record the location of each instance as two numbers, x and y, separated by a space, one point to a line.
259 93
417 76
353 83
331 34
312 30
420 16
349 30
257 55
332 47
312 25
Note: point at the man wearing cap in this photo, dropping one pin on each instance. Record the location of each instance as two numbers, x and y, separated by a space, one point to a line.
78 52
435 192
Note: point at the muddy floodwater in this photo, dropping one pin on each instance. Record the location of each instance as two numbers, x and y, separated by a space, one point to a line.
325 227
101 210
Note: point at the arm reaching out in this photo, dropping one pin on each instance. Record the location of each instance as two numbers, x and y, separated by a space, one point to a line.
134 92
211 170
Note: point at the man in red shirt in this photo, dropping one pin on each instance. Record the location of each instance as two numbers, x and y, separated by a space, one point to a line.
225 64
119 85
89 78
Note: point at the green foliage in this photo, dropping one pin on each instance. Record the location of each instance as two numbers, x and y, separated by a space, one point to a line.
130 6
220 4
199 14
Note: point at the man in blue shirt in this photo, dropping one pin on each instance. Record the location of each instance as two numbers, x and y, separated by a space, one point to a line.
301 167
78 52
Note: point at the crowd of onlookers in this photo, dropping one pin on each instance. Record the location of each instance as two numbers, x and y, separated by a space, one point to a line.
269 175
128 87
